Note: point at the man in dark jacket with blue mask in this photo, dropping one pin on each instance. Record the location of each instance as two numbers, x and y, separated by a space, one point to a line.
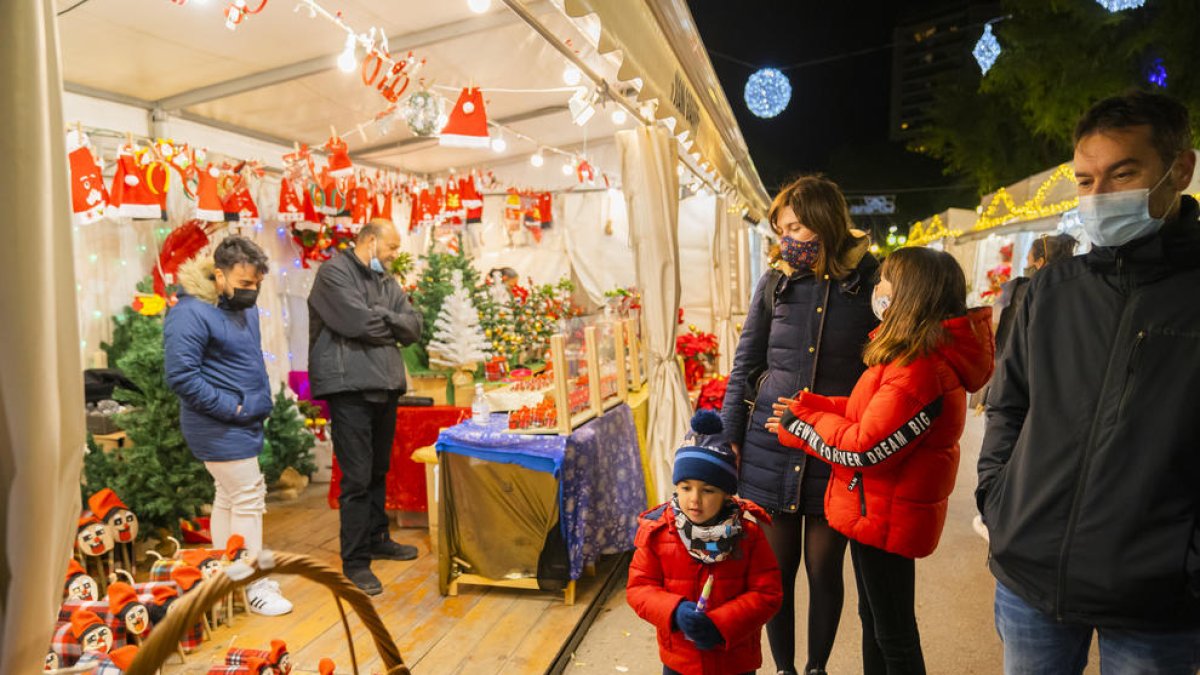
1089 476
357 318
214 363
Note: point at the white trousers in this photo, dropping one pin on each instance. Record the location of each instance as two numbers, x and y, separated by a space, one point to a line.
240 502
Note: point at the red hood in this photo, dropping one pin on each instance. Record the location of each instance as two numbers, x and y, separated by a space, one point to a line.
970 347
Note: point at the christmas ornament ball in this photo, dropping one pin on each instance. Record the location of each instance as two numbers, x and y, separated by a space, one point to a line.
421 112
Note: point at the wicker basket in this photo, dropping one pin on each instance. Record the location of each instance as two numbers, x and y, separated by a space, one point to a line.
165 637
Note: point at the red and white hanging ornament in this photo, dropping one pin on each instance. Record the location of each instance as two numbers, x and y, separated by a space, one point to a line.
88 196
208 200
290 208
472 199
467 126
339 157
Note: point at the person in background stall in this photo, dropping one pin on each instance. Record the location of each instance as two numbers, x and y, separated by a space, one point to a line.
1046 250
358 316
214 363
1089 475
807 325
702 573
893 444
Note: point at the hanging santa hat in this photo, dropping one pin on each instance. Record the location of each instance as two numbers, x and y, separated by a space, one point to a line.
472 200
186 577
467 126
208 201
291 210
92 634
545 206
180 246
88 196
381 204
131 191
122 657
339 157
360 204
239 206
454 211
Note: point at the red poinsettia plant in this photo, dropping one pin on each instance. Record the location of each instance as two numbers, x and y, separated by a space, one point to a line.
699 352
712 394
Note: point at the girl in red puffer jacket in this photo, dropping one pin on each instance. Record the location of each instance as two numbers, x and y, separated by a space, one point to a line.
703 574
893 444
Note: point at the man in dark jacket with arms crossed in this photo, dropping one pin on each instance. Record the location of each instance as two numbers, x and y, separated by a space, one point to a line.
357 314
1089 476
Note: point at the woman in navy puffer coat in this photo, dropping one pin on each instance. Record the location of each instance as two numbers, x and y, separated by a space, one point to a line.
808 337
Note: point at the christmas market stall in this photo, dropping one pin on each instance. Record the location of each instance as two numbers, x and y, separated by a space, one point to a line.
574 199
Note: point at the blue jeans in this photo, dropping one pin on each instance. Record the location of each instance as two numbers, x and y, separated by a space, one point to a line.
1036 644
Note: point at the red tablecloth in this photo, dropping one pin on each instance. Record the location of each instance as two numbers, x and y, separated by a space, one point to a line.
416 427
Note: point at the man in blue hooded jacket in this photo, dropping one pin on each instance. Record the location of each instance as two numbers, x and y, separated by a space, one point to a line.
214 363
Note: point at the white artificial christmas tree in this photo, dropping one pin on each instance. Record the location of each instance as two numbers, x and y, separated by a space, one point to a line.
458 340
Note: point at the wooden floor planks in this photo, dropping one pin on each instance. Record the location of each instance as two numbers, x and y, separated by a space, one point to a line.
482 631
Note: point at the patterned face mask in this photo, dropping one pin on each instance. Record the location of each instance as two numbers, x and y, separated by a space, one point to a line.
801 255
712 542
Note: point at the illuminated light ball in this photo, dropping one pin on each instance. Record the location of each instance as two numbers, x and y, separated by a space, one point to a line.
987 50
1115 6
768 92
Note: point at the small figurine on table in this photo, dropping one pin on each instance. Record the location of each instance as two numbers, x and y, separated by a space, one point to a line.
121 523
123 603
90 631
79 584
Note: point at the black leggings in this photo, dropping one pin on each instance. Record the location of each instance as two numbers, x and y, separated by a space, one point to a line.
824 551
886 593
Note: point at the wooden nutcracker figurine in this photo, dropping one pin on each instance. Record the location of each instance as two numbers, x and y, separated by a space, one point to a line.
79 585
94 545
92 634
123 604
122 524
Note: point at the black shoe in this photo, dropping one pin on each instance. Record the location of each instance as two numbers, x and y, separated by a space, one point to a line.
390 550
815 671
365 579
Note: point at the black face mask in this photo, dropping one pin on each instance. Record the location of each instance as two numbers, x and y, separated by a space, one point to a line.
243 298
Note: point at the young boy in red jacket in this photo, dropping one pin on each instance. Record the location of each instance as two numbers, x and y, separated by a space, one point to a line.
705 627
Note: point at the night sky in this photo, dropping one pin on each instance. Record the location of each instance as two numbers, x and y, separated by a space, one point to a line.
837 120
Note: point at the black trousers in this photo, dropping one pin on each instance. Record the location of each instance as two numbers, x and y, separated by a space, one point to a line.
362 431
886 593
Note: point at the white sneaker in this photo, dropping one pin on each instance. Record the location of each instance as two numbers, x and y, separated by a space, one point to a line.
265 598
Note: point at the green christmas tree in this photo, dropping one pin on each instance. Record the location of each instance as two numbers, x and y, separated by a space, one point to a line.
156 475
436 282
287 441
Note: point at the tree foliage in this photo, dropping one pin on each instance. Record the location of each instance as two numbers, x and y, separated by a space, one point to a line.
156 475
286 440
1060 56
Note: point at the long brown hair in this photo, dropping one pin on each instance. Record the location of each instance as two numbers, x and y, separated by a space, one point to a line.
819 205
928 287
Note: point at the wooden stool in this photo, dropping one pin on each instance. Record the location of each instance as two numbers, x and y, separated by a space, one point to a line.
428 456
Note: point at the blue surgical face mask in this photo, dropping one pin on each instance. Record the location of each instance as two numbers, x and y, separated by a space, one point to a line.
375 265
1117 218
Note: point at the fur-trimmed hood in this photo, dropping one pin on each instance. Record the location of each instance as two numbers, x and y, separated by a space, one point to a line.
196 279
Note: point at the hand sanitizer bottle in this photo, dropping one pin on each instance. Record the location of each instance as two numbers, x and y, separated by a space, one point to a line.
480 410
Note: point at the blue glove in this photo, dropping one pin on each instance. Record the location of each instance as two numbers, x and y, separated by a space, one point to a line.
696 626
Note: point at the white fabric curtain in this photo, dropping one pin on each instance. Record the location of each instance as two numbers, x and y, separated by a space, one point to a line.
652 198
723 284
597 231
41 381
696 265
